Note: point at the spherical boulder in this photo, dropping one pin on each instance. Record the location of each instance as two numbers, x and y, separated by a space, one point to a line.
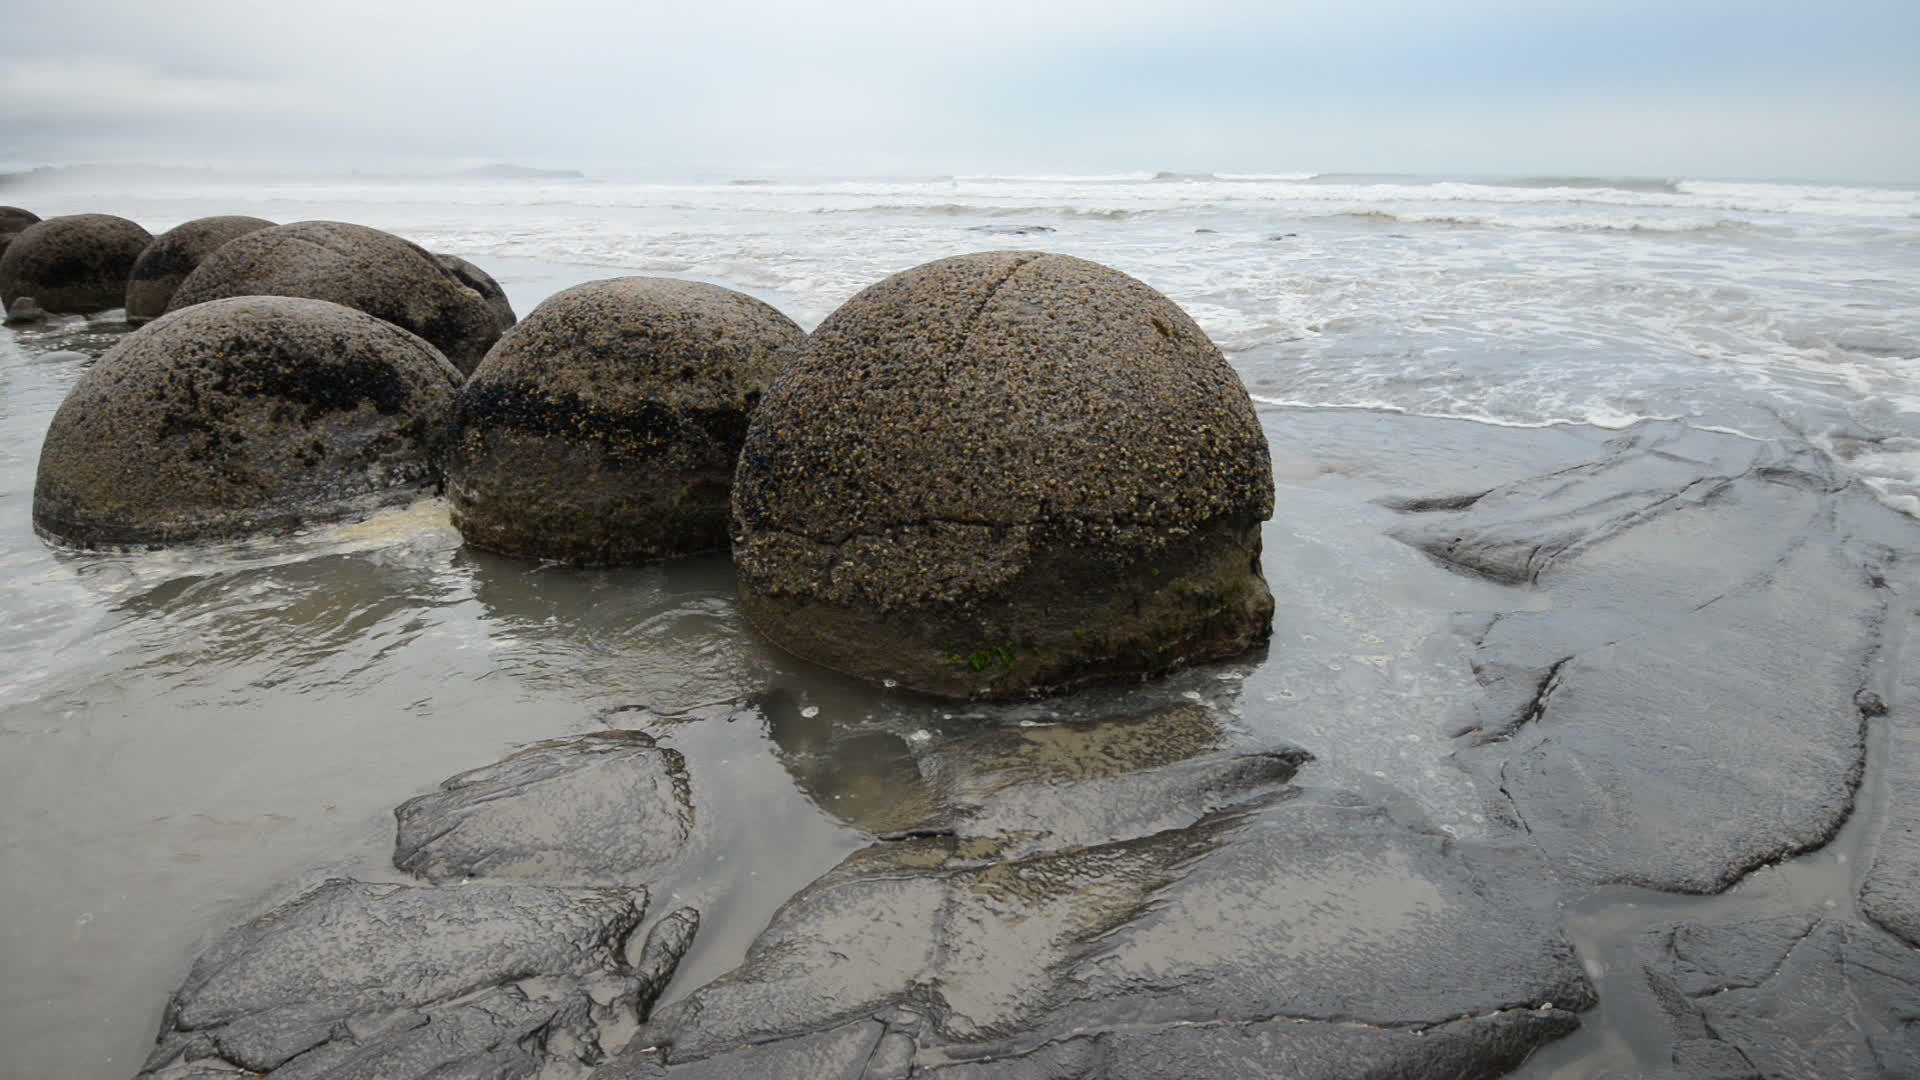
252 414
481 282
376 272
12 221
73 265
172 255
1005 474
603 429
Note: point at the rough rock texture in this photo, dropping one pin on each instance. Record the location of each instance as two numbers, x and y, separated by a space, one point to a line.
1712 608
356 980
72 265
605 807
242 415
12 221
481 282
1317 912
604 429
376 272
1794 997
172 255
1001 474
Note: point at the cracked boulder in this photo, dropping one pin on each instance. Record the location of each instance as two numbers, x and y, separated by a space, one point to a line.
72 265
1295 931
1003 474
355 979
1685 702
606 807
240 416
605 427
1794 997
366 269
172 255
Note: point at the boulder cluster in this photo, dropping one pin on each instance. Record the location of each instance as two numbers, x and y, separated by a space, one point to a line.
991 476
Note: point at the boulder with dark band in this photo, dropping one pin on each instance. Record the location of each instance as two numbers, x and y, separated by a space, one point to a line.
172 255
604 428
239 416
375 272
73 265
1002 474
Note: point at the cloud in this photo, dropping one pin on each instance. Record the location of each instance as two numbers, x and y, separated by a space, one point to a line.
865 85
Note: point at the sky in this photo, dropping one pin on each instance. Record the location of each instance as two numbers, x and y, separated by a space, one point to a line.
1674 88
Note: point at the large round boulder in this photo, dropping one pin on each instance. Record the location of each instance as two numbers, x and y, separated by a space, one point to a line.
12 221
376 272
603 429
172 255
238 416
75 265
1005 474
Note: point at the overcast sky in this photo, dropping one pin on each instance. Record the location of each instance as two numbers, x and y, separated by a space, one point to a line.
1758 88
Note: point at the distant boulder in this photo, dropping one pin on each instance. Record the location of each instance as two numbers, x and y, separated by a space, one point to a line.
239 416
1004 474
373 271
481 282
604 428
12 221
73 265
172 255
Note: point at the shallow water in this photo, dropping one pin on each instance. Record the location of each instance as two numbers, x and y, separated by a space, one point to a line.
189 736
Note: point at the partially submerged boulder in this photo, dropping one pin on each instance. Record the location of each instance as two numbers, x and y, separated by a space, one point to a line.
72 265
239 416
605 427
606 807
1002 474
12 221
373 271
174 254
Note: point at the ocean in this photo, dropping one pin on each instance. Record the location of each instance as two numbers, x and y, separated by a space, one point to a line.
186 736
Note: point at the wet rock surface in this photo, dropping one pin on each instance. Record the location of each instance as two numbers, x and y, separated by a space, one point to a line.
171 256
241 416
1001 474
77 264
366 269
1890 894
1793 997
605 428
1247 917
606 807
1715 609
358 979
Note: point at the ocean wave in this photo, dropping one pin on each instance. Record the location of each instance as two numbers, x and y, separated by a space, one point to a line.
1579 183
